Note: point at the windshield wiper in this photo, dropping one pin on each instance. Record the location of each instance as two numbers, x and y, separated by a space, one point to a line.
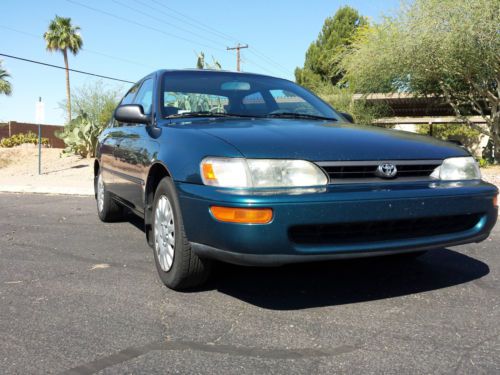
206 114
300 115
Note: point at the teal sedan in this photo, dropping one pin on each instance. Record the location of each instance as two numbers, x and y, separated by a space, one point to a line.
256 170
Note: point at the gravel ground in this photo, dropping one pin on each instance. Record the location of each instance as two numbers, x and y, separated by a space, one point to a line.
60 174
492 174
81 297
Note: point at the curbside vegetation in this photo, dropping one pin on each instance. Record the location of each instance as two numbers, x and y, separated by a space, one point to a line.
22 138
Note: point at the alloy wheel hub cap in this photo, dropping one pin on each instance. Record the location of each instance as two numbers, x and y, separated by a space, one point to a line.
164 229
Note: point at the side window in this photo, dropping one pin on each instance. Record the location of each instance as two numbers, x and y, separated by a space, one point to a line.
287 101
255 103
127 99
145 96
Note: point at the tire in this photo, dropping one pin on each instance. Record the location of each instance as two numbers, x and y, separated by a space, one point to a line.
108 209
178 266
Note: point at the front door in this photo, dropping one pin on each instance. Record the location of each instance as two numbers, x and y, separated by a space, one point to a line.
134 152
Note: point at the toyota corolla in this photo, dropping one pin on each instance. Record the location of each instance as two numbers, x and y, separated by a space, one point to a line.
256 170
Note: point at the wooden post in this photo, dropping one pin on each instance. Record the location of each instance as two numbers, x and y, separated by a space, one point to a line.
238 56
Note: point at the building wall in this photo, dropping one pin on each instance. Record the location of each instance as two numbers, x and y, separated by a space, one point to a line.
48 131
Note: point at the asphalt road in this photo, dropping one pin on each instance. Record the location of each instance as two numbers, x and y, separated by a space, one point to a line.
79 296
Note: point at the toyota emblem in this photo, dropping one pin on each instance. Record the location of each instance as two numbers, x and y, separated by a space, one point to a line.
386 170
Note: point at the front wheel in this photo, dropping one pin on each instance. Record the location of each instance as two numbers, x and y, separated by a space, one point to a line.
178 266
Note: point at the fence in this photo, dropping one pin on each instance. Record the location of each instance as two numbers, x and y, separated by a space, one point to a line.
48 131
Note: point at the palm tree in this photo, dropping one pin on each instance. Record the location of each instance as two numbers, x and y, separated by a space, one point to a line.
63 36
5 86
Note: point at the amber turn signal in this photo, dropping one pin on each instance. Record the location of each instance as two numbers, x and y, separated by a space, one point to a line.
208 172
495 201
242 215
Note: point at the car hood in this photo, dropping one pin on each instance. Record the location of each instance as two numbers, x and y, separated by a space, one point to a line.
322 141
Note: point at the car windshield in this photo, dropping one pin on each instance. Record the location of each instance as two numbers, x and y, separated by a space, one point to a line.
225 94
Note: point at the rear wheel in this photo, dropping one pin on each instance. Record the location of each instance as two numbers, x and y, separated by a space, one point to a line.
107 208
178 266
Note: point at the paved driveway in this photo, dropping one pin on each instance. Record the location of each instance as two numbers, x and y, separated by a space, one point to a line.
80 296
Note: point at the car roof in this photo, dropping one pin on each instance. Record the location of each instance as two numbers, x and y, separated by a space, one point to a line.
160 72
214 71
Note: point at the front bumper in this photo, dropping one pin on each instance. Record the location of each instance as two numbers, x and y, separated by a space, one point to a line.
271 244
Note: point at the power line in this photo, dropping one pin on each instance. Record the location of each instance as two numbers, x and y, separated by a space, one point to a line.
62 67
256 53
122 59
162 21
140 24
246 59
210 29
83 49
197 23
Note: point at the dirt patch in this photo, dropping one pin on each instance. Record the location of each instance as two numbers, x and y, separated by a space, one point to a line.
19 169
492 174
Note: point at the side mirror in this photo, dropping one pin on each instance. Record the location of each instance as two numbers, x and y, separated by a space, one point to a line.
131 114
347 116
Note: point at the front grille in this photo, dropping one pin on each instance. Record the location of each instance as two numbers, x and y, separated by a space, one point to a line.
364 171
373 231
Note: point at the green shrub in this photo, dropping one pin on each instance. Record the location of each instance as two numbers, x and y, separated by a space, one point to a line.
483 163
80 136
341 99
22 138
469 137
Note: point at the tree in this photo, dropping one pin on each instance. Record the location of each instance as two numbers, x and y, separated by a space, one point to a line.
63 36
321 65
96 101
446 48
5 86
93 107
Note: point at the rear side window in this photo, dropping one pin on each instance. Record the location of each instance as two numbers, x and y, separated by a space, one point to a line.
255 103
287 101
145 96
127 99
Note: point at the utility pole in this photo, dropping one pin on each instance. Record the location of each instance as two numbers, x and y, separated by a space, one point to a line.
238 57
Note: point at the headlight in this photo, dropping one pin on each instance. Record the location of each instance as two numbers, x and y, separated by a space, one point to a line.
453 169
260 173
